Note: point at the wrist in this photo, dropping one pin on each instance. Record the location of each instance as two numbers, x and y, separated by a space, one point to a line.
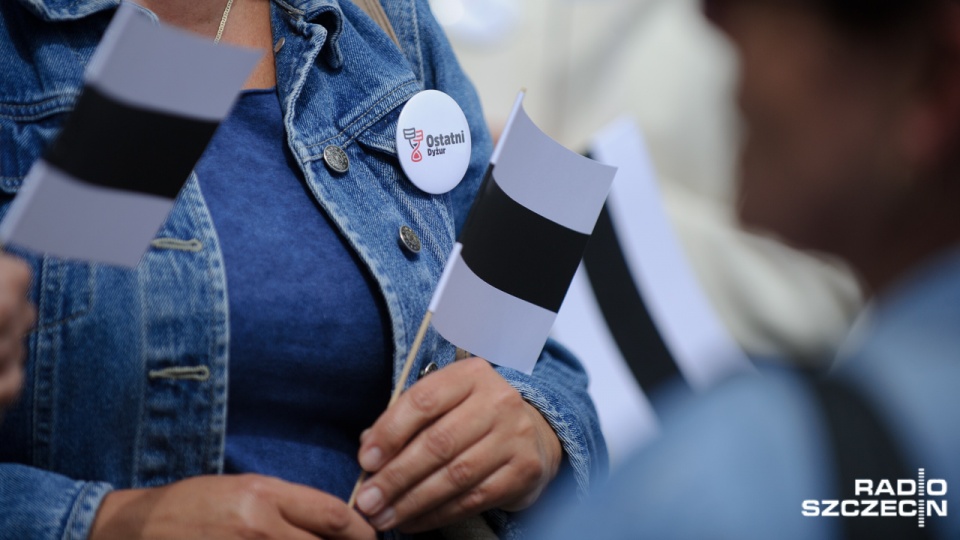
551 448
121 514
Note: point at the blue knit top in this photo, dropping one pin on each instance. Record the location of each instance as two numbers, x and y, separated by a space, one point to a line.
310 345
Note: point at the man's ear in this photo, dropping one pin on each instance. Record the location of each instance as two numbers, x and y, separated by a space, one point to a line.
932 130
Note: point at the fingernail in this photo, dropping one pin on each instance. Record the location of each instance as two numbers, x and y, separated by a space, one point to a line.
370 458
384 520
370 500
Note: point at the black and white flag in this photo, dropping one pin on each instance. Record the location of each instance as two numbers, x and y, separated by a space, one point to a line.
152 99
635 314
520 248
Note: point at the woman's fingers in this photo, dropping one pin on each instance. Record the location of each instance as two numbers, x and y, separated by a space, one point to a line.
11 380
449 439
433 449
17 317
460 476
320 513
228 508
421 405
492 492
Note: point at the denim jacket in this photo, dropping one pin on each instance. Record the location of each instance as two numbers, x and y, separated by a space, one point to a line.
127 369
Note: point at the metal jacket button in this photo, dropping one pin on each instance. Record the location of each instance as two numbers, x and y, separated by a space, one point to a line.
410 239
279 45
336 159
428 369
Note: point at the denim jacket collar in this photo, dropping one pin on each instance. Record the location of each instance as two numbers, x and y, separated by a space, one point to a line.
310 9
67 10
324 12
327 14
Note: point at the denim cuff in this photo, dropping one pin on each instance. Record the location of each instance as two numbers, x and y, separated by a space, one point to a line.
84 510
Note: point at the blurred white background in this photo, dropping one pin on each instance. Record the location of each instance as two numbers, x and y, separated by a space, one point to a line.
587 62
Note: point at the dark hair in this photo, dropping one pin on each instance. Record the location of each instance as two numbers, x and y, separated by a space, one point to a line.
860 17
874 16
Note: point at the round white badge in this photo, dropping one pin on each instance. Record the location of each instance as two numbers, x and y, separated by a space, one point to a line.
433 142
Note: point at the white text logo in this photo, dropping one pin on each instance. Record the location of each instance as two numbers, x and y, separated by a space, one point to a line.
920 498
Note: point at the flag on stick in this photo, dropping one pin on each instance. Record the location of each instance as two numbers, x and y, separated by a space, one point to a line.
635 313
506 278
152 99
520 247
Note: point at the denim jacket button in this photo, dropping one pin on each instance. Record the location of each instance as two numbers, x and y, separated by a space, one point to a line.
279 45
336 159
428 369
410 239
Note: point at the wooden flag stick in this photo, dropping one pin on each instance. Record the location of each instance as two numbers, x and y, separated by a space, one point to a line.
398 389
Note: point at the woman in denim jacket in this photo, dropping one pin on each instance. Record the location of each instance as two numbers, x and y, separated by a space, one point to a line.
309 274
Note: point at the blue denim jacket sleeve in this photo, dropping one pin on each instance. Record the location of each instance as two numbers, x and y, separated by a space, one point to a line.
40 505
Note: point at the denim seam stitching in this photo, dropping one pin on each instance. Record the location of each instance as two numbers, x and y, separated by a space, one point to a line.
392 94
416 37
58 107
290 9
78 314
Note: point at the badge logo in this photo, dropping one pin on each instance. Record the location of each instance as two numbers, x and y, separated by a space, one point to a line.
415 137
436 130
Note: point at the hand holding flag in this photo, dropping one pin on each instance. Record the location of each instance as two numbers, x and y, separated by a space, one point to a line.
497 297
17 317
153 97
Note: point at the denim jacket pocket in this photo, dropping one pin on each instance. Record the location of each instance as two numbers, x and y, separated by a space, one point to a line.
26 129
62 290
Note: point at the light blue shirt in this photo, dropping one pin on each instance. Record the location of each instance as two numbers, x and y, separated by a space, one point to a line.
739 462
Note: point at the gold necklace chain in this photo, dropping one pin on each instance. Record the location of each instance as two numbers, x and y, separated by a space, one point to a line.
223 21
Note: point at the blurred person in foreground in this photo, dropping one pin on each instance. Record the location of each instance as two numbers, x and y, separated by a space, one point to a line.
17 316
853 148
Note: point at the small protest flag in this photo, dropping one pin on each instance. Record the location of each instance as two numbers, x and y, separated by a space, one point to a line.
520 247
635 314
153 96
